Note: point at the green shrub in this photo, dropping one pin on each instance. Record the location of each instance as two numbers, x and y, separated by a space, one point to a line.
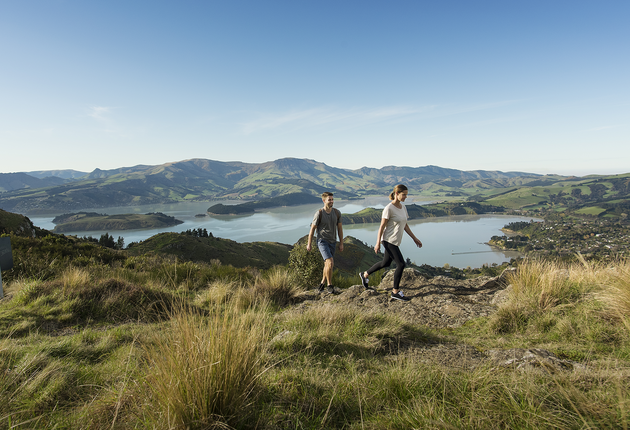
306 267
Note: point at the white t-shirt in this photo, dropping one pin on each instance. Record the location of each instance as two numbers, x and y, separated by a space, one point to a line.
396 222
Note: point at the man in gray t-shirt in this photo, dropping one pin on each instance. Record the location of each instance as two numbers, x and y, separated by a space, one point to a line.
327 222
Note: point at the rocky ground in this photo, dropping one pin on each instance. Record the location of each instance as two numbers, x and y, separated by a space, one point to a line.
442 302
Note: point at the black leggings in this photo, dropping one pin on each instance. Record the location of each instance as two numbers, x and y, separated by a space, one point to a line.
392 253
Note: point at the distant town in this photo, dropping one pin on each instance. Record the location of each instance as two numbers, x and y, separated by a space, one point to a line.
565 236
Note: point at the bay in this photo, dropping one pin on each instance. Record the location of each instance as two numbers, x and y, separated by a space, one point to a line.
455 240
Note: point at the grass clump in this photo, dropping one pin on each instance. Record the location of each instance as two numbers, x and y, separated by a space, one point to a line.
615 282
542 294
491 398
340 330
204 371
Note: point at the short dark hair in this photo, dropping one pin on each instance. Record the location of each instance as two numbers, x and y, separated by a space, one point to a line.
326 194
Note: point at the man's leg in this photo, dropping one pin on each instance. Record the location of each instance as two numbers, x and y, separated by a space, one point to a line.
328 271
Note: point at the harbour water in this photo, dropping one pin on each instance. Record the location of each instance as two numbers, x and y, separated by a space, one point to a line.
459 241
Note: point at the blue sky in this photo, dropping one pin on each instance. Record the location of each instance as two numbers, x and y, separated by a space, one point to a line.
535 86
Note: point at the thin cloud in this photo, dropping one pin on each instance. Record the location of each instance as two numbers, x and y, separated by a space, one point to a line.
337 119
99 113
319 117
605 127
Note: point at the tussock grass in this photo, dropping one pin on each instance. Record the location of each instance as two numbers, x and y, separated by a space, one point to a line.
61 382
276 286
204 371
615 282
76 298
338 329
218 293
542 285
546 295
74 278
490 398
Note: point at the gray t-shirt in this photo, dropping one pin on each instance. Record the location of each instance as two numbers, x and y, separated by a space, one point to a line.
327 228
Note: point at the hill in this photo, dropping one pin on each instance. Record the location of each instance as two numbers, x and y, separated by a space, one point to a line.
200 179
291 199
63 174
603 196
18 181
19 225
261 255
371 215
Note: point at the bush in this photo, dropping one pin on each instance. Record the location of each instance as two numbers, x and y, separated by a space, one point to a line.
306 267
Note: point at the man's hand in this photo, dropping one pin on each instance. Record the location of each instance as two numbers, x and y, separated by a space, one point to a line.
340 246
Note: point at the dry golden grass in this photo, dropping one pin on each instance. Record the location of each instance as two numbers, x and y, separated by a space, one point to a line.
544 284
615 284
73 278
217 293
204 371
542 292
277 286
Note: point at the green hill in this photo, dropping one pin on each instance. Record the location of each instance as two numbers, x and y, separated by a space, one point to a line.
204 180
19 225
581 195
291 199
371 215
261 255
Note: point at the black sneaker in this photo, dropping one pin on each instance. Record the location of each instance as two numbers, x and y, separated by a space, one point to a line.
365 281
320 288
400 296
330 289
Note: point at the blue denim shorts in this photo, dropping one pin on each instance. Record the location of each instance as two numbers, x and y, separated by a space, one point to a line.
326 248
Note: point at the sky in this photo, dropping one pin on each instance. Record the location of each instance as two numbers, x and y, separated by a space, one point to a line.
530 86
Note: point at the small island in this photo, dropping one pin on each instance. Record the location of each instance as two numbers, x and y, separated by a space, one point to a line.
88 221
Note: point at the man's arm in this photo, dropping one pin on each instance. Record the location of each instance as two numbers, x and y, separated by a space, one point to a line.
340 232
310 236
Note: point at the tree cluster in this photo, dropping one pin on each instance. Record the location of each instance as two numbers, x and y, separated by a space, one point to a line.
107 240
197 232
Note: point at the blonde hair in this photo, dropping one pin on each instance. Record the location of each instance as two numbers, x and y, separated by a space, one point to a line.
397 189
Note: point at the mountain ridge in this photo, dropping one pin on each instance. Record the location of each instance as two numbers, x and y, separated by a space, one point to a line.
200 179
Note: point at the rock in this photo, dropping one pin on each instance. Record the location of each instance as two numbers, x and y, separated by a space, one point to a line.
280 336
410 276
532 359
439 302
501 296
